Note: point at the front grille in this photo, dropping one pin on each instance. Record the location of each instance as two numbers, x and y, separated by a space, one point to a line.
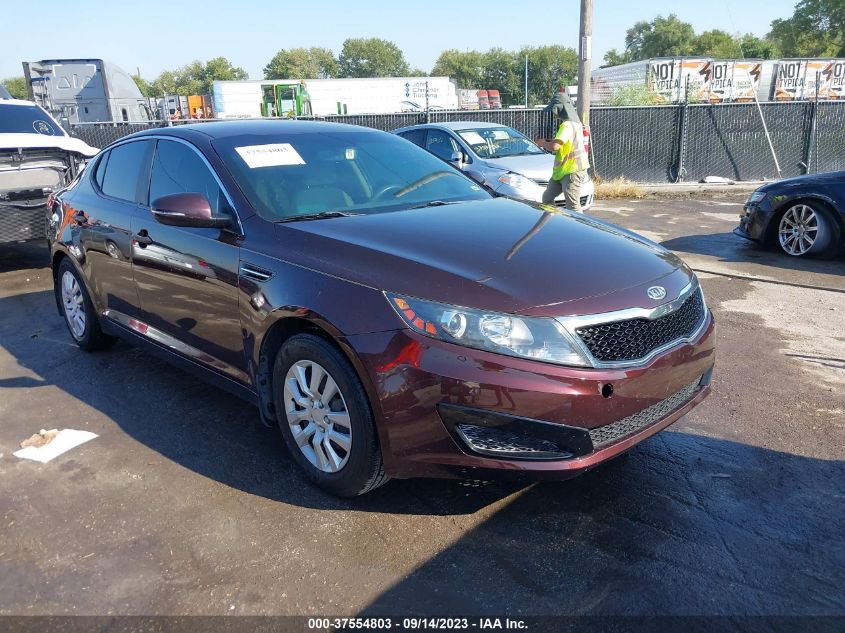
19 224
635 339
492 441
621 429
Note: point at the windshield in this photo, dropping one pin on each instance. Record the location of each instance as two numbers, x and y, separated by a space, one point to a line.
300 174
498 142
17 119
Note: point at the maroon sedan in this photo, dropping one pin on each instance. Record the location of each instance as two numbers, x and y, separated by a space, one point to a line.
393 318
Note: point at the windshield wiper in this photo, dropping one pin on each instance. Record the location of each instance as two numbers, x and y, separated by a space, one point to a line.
318 216
434 203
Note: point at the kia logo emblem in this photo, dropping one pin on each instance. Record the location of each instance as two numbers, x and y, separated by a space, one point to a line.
656 292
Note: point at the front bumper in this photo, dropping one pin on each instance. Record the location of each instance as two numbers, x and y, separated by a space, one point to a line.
534 193
431 398
23 220
754 221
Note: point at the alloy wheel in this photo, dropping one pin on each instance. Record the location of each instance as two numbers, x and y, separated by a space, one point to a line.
317 415
73 304
798 230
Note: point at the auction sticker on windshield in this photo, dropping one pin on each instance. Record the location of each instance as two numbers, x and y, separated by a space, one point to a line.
270 155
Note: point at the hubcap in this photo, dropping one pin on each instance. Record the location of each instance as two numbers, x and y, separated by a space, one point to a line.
317 415
798 229
73 304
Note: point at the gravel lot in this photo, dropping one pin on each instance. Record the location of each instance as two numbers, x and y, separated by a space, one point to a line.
185 504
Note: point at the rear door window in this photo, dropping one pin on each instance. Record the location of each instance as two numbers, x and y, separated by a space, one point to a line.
125 170
417 137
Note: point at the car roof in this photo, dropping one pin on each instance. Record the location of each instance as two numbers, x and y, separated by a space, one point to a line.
232 128
18 102
452 125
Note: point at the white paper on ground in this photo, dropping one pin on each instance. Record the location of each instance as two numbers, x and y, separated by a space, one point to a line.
270 155
62 443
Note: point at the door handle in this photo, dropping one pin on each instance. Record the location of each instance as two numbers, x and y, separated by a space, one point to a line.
142 238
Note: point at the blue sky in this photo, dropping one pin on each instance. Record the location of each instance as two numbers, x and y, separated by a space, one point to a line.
154 36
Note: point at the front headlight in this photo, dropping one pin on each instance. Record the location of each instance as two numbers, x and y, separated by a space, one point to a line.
757 196
525 337
516 181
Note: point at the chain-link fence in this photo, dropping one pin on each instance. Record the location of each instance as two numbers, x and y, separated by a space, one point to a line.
827 139
637 143
645 143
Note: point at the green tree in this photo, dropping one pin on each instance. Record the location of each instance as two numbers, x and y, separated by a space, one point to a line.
302 63
145 86
754 47
371 57
465 67
196 77
16 87
718 44
615 58
816 29
502 71
549 68
662 37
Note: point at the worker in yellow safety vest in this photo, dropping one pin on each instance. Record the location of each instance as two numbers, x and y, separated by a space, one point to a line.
571 163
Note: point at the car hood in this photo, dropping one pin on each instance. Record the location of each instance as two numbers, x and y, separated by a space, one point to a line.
535 167
496 254
44 141
805 181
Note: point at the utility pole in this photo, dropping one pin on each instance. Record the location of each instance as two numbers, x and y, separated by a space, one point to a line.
585 60
526 82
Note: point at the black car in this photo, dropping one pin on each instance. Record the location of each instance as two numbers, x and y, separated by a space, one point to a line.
804 216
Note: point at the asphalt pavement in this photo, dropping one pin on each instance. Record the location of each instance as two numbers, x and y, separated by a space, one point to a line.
185 504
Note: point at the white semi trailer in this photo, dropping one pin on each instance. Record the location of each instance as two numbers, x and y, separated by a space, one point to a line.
85 90
321 97
706 80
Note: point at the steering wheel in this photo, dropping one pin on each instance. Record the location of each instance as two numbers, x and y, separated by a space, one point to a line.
381 193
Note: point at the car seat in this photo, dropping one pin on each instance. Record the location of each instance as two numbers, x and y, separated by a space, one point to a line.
321 191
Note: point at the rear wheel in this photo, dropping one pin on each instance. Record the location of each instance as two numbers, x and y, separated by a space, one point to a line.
807 229
78 310
325 417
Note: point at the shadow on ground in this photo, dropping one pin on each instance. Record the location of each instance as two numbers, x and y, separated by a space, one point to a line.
730 248
684 524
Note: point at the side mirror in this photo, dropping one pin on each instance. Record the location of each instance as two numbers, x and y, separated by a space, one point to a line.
457 159
187 209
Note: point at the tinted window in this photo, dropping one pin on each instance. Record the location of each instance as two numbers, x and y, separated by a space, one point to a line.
359 171
415 136
441 144
125 170
16 119
100 168
178 169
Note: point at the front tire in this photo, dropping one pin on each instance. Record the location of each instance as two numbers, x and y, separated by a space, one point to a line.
325 417
806 229
78 310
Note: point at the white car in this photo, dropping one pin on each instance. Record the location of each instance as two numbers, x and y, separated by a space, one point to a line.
37 158
494 155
